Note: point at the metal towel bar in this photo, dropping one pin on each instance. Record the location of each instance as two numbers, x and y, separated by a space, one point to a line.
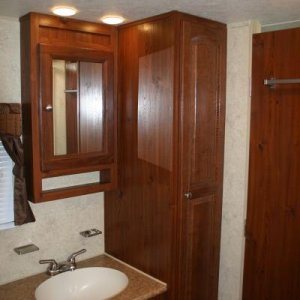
273 81
71 91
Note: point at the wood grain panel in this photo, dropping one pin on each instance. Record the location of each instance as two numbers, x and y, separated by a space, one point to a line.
200 251
272 257
203 156
91 107
203 106
139 219
154 127
202 145
62 36
30 105
10 119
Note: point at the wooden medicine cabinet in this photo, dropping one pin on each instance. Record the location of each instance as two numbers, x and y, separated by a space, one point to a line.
68 100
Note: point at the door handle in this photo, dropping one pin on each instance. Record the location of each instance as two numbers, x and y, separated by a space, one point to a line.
188 195
48 107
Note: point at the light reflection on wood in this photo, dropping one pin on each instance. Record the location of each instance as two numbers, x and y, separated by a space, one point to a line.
155 108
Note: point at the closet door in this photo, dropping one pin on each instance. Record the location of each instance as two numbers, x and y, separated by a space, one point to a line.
202 139
272 258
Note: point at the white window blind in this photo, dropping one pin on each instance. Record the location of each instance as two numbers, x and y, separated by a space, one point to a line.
6 190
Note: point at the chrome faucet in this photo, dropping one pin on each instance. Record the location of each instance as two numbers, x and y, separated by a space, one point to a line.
55 268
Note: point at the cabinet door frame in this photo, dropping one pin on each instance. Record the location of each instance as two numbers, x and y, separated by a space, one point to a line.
49 161
202 118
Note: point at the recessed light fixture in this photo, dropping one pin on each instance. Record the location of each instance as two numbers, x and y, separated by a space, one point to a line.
64 11
112 20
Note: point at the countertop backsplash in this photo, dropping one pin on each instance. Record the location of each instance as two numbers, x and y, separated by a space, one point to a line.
55 232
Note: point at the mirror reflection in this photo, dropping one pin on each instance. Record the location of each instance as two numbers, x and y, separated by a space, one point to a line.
77 106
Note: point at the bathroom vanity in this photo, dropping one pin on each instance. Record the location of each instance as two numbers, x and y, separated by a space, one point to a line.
140 285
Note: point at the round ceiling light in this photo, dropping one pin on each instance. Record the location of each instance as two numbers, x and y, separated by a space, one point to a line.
64 11
112 20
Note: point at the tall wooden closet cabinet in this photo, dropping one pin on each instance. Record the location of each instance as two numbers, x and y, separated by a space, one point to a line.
165 217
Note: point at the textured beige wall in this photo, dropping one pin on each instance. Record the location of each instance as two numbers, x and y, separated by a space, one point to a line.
237 131
56 231
10 80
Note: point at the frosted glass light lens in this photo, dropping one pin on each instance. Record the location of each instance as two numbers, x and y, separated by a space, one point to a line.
64 11
112 20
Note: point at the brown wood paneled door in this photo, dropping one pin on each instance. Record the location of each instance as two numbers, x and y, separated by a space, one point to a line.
272 258
171 103
202 140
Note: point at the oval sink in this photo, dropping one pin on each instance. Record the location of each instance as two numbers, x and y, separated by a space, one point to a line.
83 284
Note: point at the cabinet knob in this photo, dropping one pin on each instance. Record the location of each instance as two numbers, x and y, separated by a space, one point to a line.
188 195
49 107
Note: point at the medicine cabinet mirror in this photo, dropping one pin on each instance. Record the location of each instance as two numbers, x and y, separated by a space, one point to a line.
76 106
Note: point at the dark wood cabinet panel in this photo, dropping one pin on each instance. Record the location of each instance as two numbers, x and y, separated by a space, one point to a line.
155 128
171 136
203 85
272 252
200 252
201 140
139 219
160 297
65 31
91 107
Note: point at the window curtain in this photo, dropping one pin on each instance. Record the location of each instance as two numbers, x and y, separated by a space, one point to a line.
10 130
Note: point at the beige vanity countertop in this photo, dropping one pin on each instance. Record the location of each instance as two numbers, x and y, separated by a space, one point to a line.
140 286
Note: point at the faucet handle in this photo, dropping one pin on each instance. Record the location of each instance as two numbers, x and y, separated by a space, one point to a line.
53 265
52 262
71 258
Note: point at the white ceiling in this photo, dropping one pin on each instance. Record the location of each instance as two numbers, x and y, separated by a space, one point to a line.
227 11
